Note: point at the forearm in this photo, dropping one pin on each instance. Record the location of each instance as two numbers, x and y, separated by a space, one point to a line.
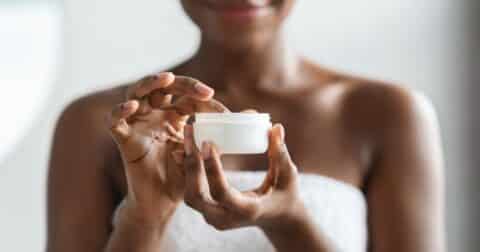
297 234
134 232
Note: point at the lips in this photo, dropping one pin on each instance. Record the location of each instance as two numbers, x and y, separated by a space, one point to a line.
241 9
239 5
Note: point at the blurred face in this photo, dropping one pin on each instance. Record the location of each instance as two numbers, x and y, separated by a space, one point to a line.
238 24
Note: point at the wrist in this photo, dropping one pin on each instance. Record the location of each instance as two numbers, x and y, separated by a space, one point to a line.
294 214
296 231
135 214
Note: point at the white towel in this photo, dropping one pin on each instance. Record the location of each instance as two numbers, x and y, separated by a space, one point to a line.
338 209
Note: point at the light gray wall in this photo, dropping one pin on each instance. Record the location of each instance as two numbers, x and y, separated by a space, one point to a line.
473 187
421 44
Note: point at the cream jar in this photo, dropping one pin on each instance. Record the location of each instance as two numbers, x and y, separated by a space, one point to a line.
233 133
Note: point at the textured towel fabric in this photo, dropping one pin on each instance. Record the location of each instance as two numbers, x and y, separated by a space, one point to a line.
338 209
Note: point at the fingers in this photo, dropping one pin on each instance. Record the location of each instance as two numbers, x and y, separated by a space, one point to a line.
190 87
168 83
189 143
158 99
275 142
197 194
149 84
279 158
196 191
269 181
147 92
174 134
156 92
189 106
219 188
207 189
249 111
117 123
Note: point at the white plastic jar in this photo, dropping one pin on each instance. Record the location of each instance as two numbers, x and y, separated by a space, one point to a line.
233 133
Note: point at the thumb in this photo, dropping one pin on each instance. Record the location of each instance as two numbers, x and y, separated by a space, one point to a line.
279 158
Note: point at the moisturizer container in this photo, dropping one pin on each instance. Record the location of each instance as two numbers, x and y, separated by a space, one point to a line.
233 133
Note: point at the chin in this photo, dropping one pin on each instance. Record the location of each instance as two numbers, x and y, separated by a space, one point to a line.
238 24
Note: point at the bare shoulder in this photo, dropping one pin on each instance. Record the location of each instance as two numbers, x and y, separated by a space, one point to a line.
82 148
81 128
405 170
80 168
86 114
382 107
393 124
368 103
93 104
368 109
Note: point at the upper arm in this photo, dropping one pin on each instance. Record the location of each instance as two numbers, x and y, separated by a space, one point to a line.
405 185
80 197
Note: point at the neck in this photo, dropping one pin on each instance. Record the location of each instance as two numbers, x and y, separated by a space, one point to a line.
266 65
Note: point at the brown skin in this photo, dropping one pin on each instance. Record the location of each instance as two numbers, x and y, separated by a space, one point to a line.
378 137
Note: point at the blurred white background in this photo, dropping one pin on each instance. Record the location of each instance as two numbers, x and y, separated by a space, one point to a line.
421 44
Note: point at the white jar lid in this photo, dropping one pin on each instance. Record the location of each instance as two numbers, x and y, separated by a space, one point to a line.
232 117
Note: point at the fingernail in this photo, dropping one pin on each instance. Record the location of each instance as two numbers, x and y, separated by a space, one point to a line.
165 79
166 75
203 89
206 151
127 106
250 111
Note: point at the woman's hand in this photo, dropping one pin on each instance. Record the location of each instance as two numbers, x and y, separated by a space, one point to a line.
224 207
275 206
148 131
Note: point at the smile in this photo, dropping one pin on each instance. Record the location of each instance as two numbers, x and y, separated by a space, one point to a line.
246 10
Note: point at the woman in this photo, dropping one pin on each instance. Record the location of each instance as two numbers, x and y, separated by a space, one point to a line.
354 145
